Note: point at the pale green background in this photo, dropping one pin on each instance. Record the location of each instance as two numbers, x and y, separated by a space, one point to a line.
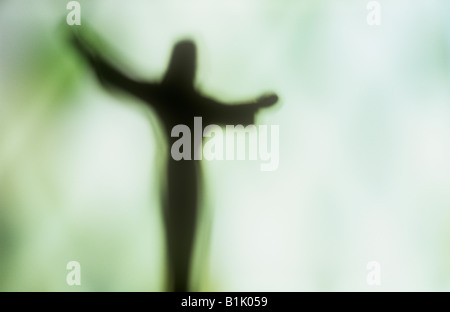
364 168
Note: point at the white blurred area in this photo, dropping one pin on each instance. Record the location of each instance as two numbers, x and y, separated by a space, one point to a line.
364 172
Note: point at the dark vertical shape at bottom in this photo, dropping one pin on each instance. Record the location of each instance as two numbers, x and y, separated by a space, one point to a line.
180 217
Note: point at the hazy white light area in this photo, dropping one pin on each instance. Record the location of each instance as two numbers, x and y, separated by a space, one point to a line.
364 169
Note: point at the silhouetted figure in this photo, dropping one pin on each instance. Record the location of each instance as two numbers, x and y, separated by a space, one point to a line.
176 101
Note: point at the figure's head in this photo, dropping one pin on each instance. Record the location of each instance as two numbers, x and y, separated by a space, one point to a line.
183 63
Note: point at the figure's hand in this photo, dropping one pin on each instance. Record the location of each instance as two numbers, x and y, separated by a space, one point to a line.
91 57
267 100
248 111
81 46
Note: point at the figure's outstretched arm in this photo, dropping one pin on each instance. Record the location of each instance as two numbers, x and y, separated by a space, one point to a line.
264 101
107 73
236 113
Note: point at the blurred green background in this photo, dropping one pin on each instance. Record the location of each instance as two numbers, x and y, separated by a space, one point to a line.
364 168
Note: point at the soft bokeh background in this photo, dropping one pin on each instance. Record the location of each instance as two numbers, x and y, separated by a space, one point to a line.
364 146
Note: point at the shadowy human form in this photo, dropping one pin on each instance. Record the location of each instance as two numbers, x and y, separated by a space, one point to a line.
176 101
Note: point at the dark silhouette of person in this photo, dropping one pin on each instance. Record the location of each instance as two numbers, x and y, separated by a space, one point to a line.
175 101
